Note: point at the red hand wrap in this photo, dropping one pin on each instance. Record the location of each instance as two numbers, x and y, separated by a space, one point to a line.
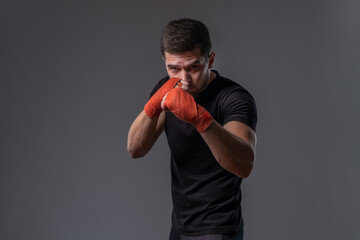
153 106
184 107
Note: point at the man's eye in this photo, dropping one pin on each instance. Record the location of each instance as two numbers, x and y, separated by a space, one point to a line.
194 67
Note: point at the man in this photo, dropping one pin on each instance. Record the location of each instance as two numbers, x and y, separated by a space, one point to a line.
210 125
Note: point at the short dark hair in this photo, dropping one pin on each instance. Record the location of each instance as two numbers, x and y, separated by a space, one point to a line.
183 35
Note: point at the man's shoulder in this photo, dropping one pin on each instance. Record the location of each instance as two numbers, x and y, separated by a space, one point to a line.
235 103
228 86
162 81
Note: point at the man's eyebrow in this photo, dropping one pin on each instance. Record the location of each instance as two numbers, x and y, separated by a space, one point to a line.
172 65
193 63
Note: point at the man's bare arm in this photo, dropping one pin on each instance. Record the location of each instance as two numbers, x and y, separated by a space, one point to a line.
150 123
143 133
233 146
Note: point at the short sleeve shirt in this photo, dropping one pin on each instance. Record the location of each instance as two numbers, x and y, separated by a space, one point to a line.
206 197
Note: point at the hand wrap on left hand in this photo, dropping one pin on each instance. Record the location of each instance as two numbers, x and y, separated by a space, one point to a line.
184 107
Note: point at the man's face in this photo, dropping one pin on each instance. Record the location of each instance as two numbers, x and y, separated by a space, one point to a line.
192 68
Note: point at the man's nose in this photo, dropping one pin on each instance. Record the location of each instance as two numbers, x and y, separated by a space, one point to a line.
184 75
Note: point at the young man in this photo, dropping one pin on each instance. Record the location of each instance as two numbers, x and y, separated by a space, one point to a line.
210 125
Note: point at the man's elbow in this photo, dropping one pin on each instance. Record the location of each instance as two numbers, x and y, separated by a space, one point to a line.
245 170
240 167
135 152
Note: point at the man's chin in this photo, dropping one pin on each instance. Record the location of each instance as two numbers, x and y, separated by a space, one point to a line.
193 92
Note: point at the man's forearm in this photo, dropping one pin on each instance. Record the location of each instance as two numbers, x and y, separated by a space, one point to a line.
143 133
232 152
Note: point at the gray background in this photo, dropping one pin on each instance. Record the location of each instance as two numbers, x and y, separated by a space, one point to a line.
74 75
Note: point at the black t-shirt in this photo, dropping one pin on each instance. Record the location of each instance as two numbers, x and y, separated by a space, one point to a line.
206 197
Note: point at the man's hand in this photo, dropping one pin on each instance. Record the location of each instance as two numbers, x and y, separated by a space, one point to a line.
153 106
184 107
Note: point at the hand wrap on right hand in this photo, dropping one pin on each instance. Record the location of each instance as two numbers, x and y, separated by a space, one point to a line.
153 106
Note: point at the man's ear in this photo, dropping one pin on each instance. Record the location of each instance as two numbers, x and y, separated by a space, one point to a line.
211 59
